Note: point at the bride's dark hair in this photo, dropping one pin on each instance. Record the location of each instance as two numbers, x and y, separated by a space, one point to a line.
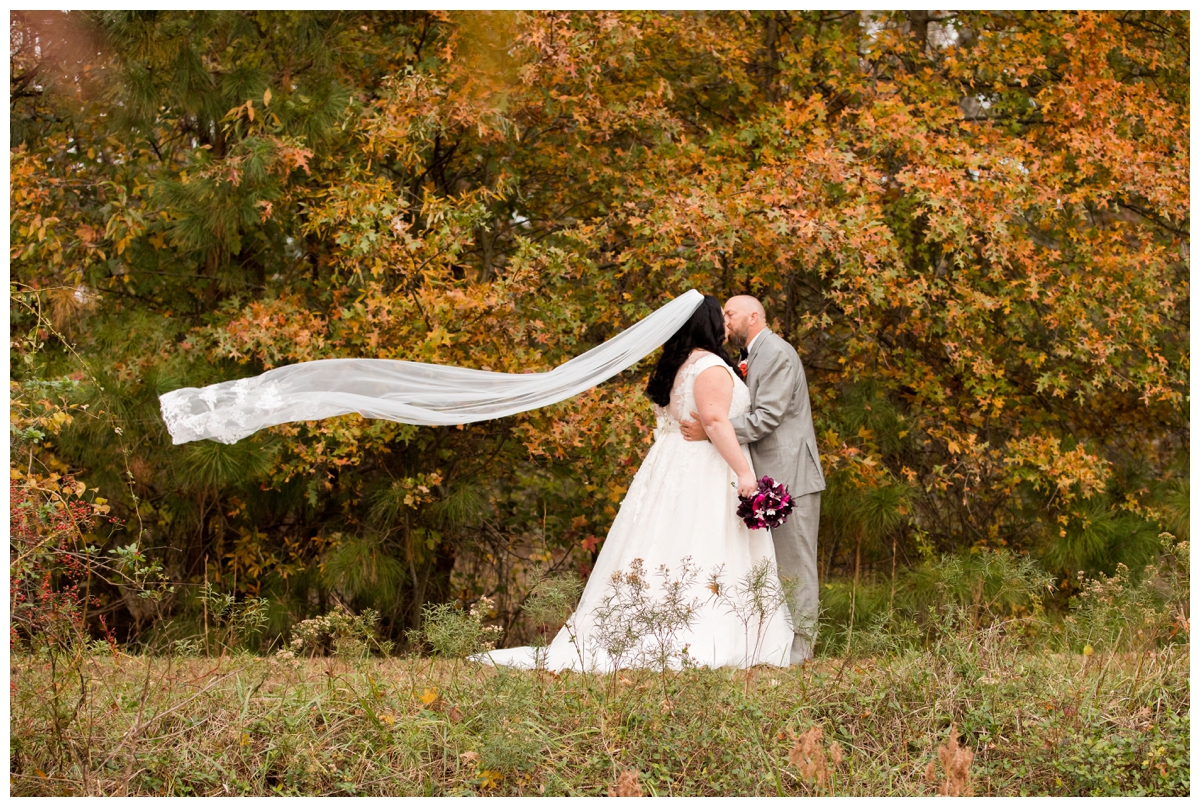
706 330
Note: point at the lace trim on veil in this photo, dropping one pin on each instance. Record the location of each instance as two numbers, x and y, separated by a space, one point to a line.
404 391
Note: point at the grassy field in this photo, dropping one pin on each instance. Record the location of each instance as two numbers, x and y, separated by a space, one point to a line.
1028 723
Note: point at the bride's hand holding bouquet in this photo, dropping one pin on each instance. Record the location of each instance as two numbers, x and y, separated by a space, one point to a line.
768 504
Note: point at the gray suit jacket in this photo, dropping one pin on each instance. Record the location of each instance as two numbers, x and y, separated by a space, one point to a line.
779 428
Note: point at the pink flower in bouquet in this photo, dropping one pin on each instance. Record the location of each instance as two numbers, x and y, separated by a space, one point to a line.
768 507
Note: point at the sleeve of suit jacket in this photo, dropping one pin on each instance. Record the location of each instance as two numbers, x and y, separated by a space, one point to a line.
773 394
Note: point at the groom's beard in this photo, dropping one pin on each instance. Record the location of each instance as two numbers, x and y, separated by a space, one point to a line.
736 341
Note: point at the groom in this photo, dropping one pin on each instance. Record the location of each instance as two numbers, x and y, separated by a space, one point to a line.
779 430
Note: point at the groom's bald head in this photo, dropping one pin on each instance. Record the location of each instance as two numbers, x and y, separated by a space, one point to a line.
745 317
749 305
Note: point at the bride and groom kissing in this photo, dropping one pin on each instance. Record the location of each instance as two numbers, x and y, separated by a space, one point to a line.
720 424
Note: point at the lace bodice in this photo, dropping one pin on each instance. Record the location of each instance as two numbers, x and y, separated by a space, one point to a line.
683 392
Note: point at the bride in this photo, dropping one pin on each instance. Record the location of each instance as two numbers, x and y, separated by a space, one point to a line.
680 512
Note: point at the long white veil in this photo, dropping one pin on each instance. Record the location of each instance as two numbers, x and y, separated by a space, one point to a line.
405 391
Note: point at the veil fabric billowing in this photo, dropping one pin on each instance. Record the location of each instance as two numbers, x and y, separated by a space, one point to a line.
405 391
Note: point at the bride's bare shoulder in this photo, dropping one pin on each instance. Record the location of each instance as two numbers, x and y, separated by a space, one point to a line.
713 362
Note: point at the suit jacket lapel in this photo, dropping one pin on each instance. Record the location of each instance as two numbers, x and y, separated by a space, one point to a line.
758 343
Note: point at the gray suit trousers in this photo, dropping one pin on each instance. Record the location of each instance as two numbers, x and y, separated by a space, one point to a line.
796 556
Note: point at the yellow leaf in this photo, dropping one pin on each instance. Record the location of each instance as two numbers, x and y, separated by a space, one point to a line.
250 110
267 98
429 696
953 447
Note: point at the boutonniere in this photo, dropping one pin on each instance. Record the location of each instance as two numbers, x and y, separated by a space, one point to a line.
742 367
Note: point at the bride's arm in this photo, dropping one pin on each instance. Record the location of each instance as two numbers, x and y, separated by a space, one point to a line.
714 391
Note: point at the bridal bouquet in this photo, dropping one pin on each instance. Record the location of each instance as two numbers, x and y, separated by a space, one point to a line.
768 507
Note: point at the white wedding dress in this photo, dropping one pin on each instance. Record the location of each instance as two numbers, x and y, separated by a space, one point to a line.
681 504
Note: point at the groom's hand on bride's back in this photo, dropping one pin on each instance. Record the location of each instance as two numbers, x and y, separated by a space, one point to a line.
693 429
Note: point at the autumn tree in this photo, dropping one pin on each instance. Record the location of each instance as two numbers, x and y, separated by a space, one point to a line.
972 225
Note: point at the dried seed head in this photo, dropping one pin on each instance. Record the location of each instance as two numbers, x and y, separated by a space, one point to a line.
808 755
956 763
627 784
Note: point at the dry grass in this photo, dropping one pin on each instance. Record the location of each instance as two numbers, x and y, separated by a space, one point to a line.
985 720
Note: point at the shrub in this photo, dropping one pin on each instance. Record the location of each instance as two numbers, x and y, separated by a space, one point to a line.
237 620
1134 612
551 602
757 598
338 633
454 632
951 593
631 625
